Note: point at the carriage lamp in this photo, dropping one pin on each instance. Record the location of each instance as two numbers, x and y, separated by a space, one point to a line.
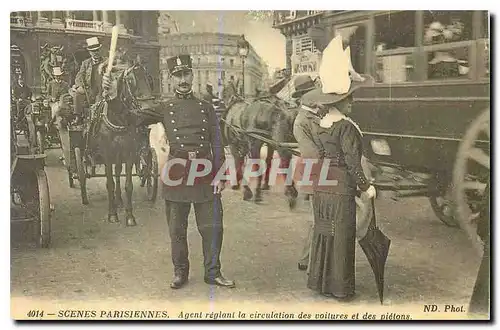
243 49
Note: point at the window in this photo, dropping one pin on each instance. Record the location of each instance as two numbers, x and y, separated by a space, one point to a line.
447 26
291 14
395 30
393 69
447 41
169 88
302 44
448 63
207 75
394 47
231 62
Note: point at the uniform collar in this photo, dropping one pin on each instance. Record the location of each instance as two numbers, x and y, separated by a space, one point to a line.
186 95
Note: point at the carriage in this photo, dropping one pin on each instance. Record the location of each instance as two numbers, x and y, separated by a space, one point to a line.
29 189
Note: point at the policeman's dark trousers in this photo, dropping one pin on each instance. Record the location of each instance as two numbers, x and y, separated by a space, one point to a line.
209 221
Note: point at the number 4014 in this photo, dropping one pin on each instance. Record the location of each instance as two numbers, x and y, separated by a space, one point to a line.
35 313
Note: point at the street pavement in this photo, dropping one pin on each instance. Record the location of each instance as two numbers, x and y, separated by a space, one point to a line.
90 259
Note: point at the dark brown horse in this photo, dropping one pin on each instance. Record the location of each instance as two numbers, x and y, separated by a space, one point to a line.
114 136
266 117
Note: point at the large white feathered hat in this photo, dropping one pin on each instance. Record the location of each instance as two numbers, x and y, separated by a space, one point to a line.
338 78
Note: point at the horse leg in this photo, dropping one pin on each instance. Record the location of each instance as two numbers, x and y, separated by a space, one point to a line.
269 158
255 154
290 191
238 163
118 189
110 185
247 192
129 188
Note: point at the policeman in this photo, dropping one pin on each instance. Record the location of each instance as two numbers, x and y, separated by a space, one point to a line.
57 86
193 135
87 87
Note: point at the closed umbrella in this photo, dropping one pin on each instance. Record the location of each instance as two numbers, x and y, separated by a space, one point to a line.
375 245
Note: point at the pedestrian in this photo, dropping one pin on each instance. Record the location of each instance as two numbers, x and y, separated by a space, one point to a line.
308 151
193 133
338 140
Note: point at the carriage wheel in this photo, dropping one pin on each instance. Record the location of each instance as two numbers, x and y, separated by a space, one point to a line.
40 142
152 175
82 176
44 209
465 186
443 209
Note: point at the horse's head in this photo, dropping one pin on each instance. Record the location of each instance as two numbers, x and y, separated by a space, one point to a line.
132 85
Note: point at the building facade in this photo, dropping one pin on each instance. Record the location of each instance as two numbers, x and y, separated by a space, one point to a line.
215 60
302 57
41 40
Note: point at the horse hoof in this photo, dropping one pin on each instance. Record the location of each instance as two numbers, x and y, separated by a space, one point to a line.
131 222
247 195
258 199
265 186
292 202
113 218
236 187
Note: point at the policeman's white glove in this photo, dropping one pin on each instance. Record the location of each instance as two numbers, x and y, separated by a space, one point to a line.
370 193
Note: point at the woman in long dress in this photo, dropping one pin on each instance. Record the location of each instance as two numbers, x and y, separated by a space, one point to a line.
338 139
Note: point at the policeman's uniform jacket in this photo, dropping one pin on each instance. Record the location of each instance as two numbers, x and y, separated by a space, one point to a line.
192 132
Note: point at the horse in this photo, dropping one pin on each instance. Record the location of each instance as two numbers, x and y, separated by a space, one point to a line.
267 116
114 135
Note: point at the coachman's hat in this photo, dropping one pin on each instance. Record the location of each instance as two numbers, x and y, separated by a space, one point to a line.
179 63
93 43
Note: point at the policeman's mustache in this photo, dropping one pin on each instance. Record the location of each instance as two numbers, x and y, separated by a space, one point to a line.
184 85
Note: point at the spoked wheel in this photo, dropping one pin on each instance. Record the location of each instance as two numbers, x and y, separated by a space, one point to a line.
44 209
470 174
148 172
82 175
40 142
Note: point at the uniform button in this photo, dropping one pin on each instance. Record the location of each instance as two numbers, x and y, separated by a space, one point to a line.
173 121
177 137
182 146
204 120
171 112
201 103
171 105
203 138
201 145
202 111
175 129
203 129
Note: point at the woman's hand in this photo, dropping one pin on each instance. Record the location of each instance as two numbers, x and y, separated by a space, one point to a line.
371 192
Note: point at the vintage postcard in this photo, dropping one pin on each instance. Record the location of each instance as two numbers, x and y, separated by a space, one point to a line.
250 165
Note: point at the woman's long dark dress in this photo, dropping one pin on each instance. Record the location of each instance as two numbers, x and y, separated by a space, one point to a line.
332 269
